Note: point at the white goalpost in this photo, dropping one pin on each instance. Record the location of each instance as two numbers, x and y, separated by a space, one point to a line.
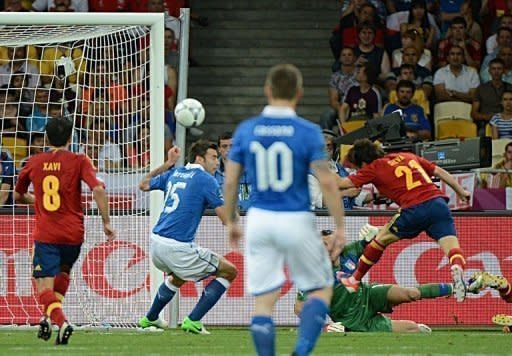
106 73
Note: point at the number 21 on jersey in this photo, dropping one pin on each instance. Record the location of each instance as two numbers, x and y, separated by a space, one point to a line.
408 171
274 166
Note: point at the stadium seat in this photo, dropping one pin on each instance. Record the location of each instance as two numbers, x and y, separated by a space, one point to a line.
17 146
449 110
455 128
343 152
488 130
349 126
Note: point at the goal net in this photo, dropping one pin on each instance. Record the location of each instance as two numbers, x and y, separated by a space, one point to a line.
105 73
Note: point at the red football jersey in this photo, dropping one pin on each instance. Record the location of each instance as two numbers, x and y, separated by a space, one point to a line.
56 177
402 177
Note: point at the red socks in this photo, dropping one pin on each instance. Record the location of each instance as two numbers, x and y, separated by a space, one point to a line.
371 255
61 285
52 306
456 257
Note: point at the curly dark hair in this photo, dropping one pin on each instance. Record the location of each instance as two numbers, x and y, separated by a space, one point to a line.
364 151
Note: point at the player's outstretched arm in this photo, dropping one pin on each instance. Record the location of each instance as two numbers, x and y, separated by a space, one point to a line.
172 157
332 200
448 179
344 183
100 197
232 176
25 198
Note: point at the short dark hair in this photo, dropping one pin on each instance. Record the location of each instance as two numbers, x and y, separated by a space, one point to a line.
58 131
371 73
284 81
459 20
497 60
366 25
199 148
406 66
226 135
364 151
501 29
405 84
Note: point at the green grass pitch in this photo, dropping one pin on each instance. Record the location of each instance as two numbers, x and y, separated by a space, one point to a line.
237 341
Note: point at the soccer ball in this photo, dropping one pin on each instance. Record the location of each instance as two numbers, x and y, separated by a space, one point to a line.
189 112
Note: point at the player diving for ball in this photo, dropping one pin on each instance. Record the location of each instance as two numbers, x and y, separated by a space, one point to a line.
362 311
406 179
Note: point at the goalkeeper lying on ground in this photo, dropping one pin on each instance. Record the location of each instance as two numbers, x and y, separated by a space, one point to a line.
482 280
361 311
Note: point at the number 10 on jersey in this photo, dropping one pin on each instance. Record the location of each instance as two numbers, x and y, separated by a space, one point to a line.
274 166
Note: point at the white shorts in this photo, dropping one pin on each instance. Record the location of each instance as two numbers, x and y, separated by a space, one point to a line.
186 260
274 239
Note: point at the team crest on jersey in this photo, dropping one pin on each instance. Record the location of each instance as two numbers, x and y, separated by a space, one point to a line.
414 117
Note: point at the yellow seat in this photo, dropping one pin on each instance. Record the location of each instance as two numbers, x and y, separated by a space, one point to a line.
455 129
17 146
343 152
349 126
450 110
488 130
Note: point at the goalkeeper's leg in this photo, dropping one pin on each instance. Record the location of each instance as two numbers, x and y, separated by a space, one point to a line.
400 295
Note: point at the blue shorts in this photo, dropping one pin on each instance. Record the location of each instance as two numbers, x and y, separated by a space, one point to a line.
49 257
432 216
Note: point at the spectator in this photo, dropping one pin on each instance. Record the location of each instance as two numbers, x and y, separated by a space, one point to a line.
423 76
406 72
104 154
36 145
348 195
505 179
6 178
15 6
492 41
412 38
501 123
50 5
367 52
488 95
339 84
504 39
10 120
108 5
349 6
345 35
61 6
418 20
456 81
138 152
17 63
362 101
474 30
37 121
471 49
449 11
414 117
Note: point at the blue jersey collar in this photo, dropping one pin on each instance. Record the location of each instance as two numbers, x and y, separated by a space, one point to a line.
278 111
194 166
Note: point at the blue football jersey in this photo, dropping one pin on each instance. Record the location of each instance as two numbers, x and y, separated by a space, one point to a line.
188 191
276 150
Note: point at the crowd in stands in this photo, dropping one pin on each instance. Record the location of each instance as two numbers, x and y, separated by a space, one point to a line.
445 51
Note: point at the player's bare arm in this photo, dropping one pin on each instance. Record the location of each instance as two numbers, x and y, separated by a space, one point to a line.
100 197
344 183
172 157
26 198
448 179
327 181
232 175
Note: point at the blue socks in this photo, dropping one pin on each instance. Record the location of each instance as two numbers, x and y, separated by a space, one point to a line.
211 295
312 320
263 335
165 293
